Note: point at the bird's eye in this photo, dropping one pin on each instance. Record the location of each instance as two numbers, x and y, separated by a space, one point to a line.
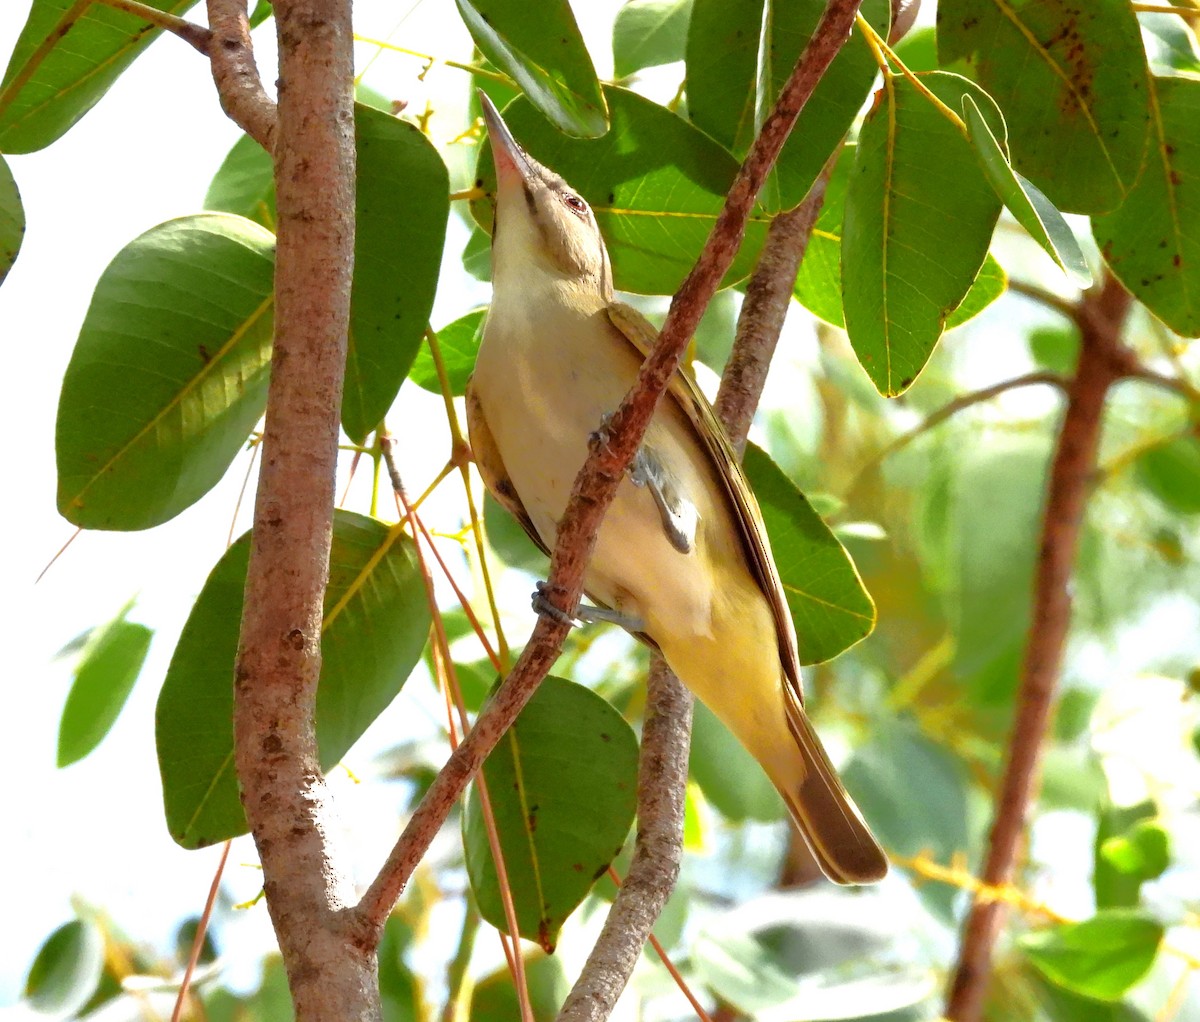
575 204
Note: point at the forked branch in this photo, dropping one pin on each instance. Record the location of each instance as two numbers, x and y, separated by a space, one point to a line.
1103 360
597 481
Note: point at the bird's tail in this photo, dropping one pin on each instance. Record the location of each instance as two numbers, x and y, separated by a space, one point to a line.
843 845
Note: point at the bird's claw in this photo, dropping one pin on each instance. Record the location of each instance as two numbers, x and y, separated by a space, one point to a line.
544 608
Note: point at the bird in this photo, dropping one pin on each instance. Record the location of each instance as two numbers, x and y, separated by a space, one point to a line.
682 558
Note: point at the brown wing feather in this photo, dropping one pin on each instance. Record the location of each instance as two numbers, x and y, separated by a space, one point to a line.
686 393
491 468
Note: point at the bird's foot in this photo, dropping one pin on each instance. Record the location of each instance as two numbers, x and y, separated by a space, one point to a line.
584 613
544 608
598 438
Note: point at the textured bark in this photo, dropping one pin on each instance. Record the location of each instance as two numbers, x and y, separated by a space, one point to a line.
605 467
283 790
1102 361
768 295
235 74
662 783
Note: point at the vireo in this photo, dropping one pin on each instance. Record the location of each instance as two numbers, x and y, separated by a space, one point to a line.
682 557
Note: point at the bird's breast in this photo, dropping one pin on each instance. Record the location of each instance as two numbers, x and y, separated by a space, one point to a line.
545 378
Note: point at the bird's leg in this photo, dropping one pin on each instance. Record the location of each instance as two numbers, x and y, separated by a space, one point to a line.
679 515
583 613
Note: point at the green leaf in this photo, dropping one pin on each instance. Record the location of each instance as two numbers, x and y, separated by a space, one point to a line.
741 971
722 69
459 344
245 184
477 254
12 220
401 207
262 11
830 608
68 55
1072 88
733 84
562 785
649 33
376 623
818 285
1101 957
1024 201
104 676
1055 347
998 494
67 969
1170 45
1152 243
834 104
729 776
918 222
169 374
989 284
495 998
655 183
1171 471
898 758
546 56
1143 852
509 540
1116 888
400 991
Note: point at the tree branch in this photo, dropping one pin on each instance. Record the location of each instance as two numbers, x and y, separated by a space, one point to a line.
194 35
604 469
768 296
662 783
952 408
1184 388
235 74
1047 298
279 658
1103 360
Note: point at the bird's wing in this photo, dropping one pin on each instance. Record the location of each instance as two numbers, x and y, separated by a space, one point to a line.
641 333
491 468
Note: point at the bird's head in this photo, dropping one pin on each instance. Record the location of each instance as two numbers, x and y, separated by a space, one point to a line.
542 225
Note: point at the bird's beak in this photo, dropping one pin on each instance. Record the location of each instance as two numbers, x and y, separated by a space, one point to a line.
511 162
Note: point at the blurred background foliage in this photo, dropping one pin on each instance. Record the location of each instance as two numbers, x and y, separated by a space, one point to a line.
935 492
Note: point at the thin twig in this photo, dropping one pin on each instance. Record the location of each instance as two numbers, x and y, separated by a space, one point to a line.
1184 12
662 782
1043 297
1184 388
448 680
201 930
1102 361
952 408
235 74
194 35
604 469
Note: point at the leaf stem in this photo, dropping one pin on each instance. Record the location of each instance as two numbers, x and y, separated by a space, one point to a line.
1190 13
196 36
881 49
460 455
475 69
